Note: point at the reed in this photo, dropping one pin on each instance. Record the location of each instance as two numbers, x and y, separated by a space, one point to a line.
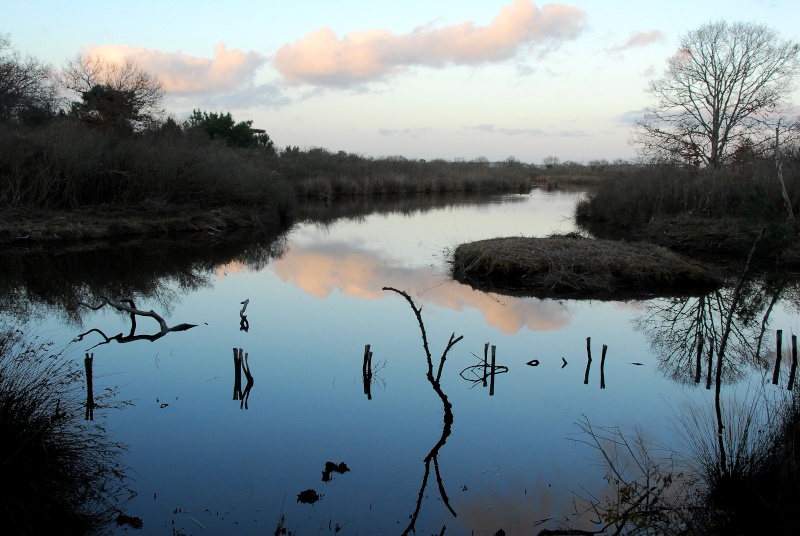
632 196
59 474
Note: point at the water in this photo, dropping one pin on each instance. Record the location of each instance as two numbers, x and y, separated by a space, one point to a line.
202 462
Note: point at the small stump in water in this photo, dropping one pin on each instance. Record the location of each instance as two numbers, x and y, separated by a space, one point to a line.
571 266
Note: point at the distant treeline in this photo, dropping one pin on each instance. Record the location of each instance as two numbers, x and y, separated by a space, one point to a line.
65 164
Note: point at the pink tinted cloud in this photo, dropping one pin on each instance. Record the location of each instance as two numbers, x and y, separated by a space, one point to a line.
322 58
183 74
322 270
640 39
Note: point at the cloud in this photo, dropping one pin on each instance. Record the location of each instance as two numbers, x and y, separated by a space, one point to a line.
321 270
321 58
492 129
406 132
228 70
629 118
640 39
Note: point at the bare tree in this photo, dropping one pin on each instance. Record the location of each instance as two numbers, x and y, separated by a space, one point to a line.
28 91
723 90
551 161
113 92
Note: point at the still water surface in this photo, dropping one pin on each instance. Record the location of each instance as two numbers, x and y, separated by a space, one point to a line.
204 461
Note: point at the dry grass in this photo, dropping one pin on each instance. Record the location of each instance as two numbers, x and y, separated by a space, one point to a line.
573 266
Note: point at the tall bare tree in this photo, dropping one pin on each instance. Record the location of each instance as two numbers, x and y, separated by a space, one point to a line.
28 91
723 91
113 92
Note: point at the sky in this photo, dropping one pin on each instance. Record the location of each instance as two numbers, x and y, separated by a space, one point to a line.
451 79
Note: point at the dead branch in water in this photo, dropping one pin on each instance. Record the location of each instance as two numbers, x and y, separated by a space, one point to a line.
127 305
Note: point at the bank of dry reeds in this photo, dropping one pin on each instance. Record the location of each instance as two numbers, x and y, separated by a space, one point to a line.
573 266
634 195
318 172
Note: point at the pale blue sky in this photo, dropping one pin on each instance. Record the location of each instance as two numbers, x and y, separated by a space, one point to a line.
423 79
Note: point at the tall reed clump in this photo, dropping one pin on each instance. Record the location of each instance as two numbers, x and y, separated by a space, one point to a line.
59 474
757 489
319 173
65 165
631 196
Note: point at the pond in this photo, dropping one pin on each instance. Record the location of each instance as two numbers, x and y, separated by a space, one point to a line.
299 430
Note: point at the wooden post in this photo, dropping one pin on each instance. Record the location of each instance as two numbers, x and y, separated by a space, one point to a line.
778 356
365 367
237 373
366 371
698 369
491 381
245 364
485 361
87 364
588 360
602 368
792 372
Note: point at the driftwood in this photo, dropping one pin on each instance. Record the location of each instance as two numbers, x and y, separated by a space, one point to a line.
127 305
434 380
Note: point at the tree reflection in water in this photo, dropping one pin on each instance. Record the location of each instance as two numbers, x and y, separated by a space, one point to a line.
39 282
434 380
686 333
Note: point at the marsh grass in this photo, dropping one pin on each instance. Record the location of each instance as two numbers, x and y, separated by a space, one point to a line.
757 488
571 265
632 196
59 474
653 488
320 173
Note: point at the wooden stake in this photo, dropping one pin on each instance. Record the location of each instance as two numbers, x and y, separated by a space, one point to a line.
602 368
87 364
778 356
237 373
491 381
365 368
792 372
485 361
588 360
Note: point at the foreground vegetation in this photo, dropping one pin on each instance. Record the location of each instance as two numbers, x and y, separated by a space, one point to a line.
59 473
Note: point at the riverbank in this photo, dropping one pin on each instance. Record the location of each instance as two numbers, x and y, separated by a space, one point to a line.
19 226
